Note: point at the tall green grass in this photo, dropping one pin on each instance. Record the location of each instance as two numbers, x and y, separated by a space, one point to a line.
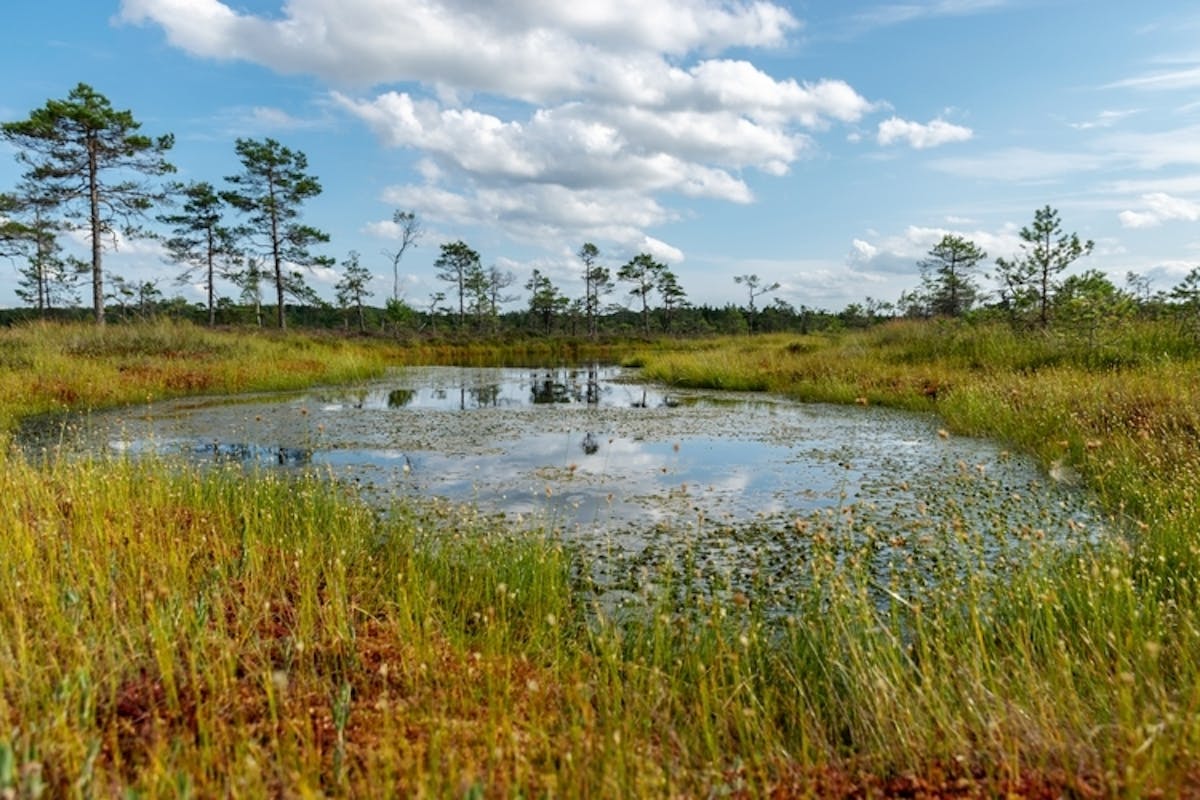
173 631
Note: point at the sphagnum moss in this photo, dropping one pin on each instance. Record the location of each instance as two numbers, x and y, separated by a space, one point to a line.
173 631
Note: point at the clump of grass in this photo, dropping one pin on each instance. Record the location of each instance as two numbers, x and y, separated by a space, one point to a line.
1082 644
246 633
164 626
49 367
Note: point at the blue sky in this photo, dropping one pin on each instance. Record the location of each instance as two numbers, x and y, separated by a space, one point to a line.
823 145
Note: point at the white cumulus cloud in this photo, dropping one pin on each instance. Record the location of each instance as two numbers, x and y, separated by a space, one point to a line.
901 253
548 119
539 50
921 136
1160 207
862 252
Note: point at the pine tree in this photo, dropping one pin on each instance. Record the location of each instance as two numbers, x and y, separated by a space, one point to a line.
643 272
672 294
199 241
455 265
410 231
82 150
545 300
1032 279
352 288
597 282
30 231
946 276
757 289
270 191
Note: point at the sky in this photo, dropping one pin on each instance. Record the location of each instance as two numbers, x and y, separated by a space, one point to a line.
826 146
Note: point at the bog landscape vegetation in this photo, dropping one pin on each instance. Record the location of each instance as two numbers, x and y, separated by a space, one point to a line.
168 629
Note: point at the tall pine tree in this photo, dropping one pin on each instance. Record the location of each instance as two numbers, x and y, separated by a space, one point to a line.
270 191
199 241
85 153
643 272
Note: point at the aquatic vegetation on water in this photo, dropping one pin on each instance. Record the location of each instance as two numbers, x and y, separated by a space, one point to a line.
635 474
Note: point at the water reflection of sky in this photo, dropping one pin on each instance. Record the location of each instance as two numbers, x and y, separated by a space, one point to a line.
580 448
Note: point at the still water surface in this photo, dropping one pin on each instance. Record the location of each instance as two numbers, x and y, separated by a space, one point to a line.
593 449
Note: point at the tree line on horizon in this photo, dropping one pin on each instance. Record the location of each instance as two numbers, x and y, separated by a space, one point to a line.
88 167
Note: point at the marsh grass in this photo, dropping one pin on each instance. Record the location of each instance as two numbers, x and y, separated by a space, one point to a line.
170 631
52 367
1073 653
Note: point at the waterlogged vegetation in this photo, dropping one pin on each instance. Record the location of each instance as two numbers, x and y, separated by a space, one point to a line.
49 368
175 630
636 478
